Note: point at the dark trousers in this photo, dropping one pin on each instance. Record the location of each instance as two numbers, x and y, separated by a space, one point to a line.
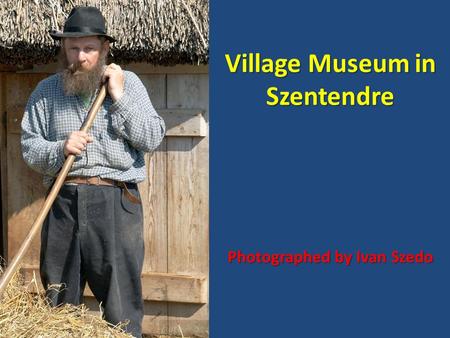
94 234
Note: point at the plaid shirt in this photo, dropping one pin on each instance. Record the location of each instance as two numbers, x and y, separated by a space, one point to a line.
122 132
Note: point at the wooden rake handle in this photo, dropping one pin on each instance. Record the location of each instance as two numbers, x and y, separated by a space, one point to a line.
15 263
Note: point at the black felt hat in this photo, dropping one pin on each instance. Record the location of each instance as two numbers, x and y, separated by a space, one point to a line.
83 21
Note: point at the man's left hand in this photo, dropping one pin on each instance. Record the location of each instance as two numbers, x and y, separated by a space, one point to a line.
114 74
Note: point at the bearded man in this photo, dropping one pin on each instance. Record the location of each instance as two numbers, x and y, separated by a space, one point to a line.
94 231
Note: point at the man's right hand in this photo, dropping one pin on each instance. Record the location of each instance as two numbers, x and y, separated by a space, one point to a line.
76 143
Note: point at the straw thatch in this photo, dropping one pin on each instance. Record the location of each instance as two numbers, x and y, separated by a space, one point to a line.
24 313
156 31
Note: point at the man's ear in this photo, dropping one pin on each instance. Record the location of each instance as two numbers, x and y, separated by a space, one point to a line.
105 47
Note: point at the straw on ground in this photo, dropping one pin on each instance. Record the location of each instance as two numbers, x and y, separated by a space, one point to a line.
24 313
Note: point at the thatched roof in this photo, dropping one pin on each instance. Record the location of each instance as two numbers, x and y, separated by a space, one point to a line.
155 31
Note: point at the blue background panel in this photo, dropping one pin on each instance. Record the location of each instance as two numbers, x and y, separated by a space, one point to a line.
289 179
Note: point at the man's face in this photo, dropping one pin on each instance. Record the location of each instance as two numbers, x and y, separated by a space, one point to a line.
83 60
85 52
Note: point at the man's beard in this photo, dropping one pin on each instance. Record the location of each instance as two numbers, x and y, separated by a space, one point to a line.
82 82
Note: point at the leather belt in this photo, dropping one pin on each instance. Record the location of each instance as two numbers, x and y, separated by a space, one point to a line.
96 180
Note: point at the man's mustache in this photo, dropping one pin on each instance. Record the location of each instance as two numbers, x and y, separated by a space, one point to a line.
74 68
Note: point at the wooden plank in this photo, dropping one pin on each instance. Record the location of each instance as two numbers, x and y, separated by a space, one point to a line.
175 288
156 88
188 205
138 68
188 202
3 173
161 287
154 189
14 118
154 200
153 323
192 319
184 122
189 91
25 191
188 181
25 200
188 226
154 196
145 68
20 86
8 68
179 122
155 318
14 68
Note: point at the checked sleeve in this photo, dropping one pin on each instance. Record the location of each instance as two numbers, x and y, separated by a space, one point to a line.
41 154
135 119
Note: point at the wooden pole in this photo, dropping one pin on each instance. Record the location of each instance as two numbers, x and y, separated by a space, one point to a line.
15 263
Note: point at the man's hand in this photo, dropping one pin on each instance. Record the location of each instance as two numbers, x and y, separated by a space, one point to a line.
114 74
76 143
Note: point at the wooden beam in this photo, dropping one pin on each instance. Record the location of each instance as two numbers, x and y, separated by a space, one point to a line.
184 122
175 288
161 287
14 119
138 68
154 325
179 122
145 68
14 68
